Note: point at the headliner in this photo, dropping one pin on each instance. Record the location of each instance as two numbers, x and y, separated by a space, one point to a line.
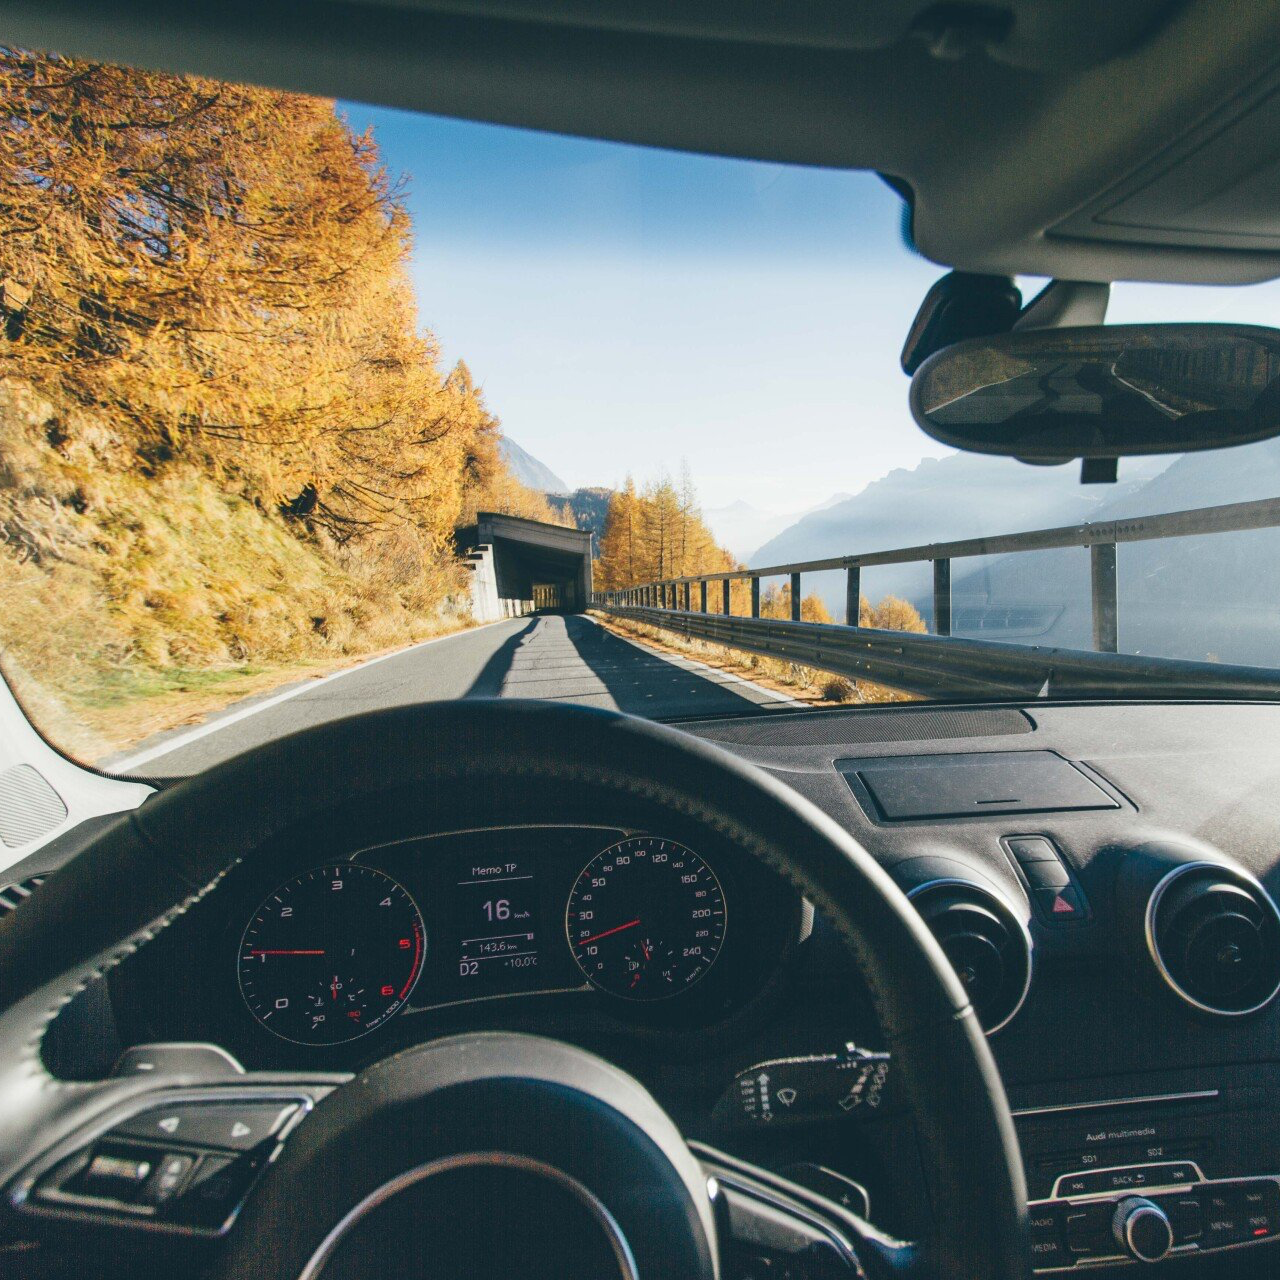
1083 139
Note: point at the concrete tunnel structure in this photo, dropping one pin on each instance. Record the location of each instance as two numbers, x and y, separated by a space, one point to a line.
519 566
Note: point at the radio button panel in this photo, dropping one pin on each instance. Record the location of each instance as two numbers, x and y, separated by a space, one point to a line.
1075 1230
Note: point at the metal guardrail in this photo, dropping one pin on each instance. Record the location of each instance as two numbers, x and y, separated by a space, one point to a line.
943 665
950 667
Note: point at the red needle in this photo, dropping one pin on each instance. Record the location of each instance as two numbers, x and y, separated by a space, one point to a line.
617 928
282 952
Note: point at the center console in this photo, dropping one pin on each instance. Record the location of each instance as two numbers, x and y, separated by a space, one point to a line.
1149 1175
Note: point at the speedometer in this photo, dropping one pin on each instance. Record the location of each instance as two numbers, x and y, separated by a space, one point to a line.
332 954
646 918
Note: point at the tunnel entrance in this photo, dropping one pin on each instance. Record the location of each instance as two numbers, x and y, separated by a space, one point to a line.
522 566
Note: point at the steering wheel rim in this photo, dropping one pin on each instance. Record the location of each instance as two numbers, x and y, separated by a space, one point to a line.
447 757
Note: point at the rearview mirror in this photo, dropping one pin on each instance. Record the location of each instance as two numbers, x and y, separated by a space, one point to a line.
1050 395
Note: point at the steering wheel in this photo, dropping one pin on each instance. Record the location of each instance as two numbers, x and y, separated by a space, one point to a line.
449 1157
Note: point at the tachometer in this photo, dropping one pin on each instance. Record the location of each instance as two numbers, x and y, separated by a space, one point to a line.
332 954
646 918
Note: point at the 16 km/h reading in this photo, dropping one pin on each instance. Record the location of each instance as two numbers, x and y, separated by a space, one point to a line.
646 918
498 902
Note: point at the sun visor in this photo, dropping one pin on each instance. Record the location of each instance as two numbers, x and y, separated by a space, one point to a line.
1217 187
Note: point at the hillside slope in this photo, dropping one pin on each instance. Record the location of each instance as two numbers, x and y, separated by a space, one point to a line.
121 589
230 454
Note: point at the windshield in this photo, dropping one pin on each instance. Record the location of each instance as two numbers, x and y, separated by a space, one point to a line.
310 407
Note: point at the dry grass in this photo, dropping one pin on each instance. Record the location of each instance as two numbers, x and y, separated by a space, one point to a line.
131 603
805 684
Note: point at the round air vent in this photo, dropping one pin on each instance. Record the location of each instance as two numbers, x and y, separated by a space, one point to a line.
988 946
1214 934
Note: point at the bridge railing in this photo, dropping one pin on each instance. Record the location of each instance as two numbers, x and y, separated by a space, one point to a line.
939 664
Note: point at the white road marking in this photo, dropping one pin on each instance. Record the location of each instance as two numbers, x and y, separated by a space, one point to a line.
223 722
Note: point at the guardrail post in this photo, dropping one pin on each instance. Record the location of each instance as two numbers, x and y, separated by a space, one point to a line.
1106 608
702 591
688 589
942 596
726 598
755 597
852 595
795 597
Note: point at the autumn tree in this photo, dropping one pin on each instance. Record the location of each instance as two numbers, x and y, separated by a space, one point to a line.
617 562
775 602
220 271
657 533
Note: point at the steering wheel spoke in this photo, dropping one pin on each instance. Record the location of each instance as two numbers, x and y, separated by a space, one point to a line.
171 1144
772 1226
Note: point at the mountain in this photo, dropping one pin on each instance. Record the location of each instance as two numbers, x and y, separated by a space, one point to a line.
528 470
1209 597
741 527
589 508
938 500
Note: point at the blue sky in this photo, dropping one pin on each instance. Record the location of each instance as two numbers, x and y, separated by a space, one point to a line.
627 309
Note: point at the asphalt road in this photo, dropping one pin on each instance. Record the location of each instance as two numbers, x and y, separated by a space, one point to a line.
568 659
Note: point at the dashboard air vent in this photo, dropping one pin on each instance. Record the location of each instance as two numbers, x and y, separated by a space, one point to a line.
1214 934
988 945
12 894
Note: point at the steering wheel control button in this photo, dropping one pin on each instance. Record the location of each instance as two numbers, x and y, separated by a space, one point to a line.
168 1178
238 1126
1142 1229
114 1174
216 1191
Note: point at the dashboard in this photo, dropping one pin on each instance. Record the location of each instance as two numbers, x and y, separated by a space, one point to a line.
325 955
1103 879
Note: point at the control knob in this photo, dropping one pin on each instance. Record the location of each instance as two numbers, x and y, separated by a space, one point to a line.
1142 1229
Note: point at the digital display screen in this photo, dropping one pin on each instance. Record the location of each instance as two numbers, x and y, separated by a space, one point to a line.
497 921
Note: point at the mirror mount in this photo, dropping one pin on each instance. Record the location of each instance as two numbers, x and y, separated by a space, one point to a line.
1066 304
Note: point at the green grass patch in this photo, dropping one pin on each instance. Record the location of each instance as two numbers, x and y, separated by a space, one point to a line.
126 685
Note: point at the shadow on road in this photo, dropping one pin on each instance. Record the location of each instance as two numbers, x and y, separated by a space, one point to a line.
488 683
644 684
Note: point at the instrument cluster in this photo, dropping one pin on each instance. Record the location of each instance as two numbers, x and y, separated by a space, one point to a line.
651 930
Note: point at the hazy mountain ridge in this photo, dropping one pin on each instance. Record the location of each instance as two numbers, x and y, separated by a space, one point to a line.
528 470
1208 597
741 526
1203 598
939 500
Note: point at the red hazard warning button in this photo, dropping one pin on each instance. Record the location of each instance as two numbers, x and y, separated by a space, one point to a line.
1060 906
